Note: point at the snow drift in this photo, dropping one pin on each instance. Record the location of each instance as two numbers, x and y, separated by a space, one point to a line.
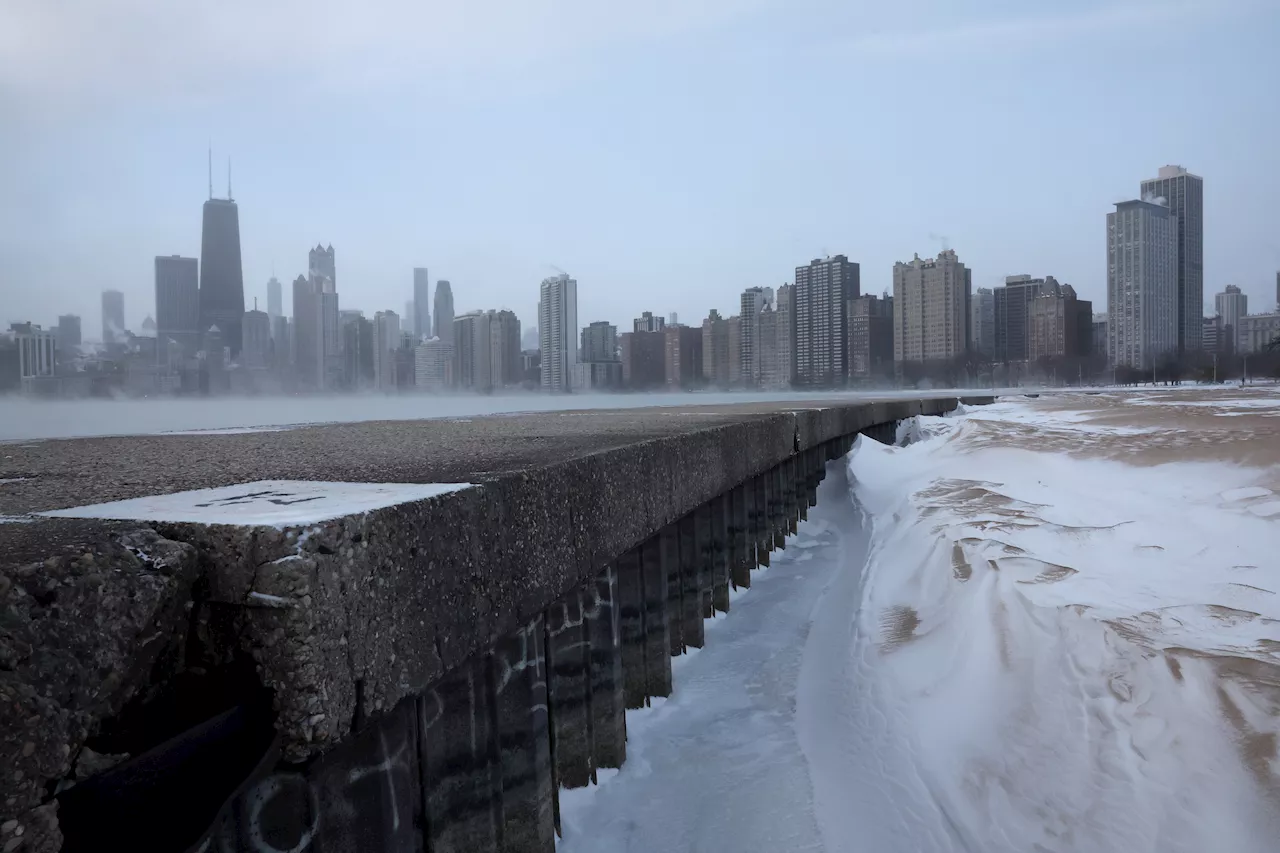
1057 653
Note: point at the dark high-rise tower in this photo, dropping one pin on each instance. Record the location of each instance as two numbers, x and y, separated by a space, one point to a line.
822 291
178 305
221 275
443 314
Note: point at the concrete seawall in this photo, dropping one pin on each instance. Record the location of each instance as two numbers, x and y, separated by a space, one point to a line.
279 666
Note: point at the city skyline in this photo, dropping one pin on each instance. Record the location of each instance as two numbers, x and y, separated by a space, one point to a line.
97 194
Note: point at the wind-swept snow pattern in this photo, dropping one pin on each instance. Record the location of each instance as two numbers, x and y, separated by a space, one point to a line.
1066 639
1043 626
277 503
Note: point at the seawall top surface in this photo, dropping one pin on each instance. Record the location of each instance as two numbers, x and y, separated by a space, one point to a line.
44 475
395 580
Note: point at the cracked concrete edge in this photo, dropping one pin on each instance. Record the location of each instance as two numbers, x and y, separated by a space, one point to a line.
79 635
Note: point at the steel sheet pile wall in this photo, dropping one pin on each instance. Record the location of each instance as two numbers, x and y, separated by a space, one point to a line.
476 762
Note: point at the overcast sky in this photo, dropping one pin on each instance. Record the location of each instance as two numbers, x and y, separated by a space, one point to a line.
666 153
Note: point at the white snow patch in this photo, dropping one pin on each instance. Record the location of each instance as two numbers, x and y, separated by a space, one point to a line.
1052 653
1244 493
1266 510
271 503
235 430
268 600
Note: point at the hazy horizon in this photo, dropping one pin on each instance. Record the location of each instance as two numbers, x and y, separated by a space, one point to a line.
667 155
28 419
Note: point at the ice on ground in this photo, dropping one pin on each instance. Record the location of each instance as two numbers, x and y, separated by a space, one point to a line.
272 503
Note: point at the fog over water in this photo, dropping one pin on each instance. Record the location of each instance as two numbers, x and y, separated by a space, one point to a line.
27 419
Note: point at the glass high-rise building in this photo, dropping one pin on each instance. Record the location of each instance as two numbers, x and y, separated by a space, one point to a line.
1183 194
275 299
444 311
112 317
221 273
421 319
177 304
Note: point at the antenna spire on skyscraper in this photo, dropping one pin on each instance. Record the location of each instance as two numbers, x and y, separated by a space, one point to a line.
229 196
211 171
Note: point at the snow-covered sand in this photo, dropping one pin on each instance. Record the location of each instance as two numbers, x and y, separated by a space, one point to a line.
1064 637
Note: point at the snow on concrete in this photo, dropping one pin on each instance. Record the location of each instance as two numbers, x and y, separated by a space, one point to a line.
271 503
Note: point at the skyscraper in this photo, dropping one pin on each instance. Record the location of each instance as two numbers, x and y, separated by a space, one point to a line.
357 352
317 353
646 322
473 350
1011 309
1054 322
871 337
785 372
982 322
421 303
930 308
1183 193
599 342
67 334
443 308
321 262
1231 305
1142 284
715 350
558 331
753 301
256 347
682 356
221 274
432 365
386 339
643 359
275 300
504 348
177 305
822 291
112 317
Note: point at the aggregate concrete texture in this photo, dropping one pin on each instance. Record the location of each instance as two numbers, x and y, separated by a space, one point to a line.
365 609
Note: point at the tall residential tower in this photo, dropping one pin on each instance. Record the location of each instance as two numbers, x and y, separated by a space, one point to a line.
931 304
558 331
1183 194
822 292
1142 284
